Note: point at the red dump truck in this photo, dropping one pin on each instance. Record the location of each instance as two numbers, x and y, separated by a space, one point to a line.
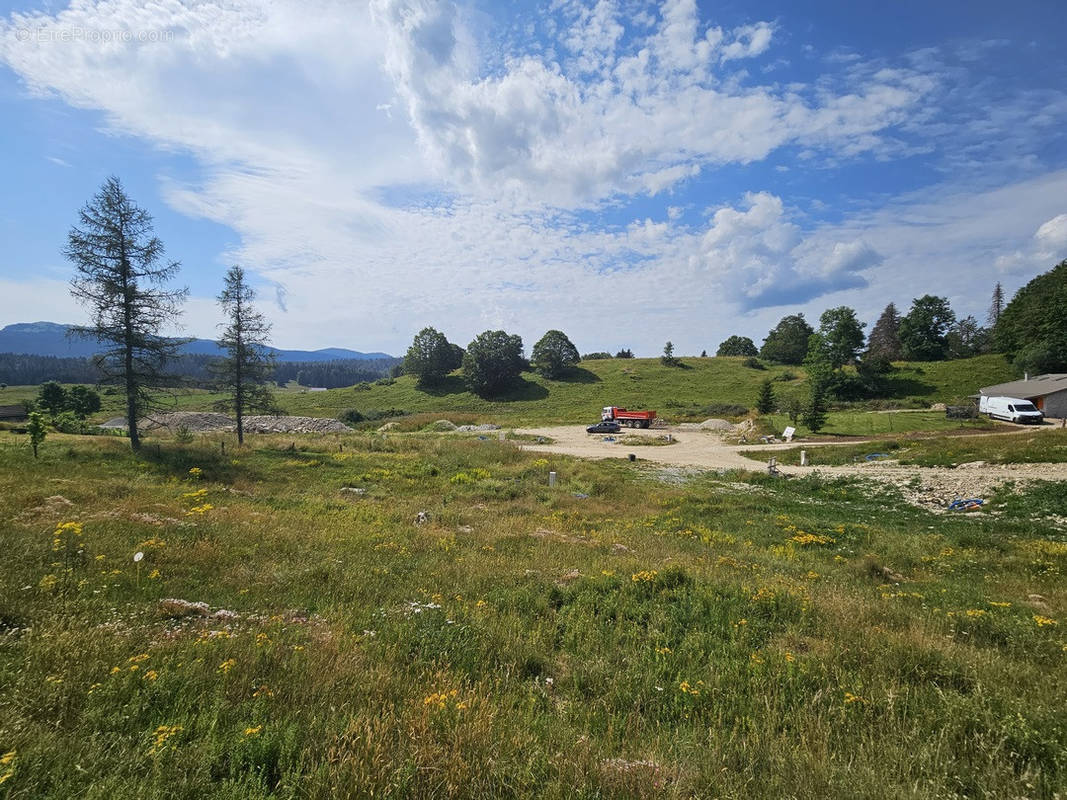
632 419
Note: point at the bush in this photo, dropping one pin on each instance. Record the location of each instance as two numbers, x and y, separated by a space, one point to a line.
785 377
753 363
595 356
350 416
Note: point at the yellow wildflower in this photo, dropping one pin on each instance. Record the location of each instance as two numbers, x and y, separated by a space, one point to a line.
227 665
253 731
150 675
644 576
1044 621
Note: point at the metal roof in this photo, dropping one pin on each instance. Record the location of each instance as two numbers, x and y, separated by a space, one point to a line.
1039 386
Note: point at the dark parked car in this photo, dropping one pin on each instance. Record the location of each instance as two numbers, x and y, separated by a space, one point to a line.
604 427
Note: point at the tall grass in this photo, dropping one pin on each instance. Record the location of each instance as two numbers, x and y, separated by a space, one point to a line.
613 636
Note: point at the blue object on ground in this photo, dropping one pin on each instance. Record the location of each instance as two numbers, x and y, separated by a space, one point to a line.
876 456
968 504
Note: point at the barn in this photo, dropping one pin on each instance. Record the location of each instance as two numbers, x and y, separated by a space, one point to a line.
1047 392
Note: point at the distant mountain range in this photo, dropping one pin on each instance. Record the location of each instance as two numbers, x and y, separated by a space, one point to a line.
50 339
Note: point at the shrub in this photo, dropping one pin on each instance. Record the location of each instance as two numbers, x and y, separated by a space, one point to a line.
350 416
753 363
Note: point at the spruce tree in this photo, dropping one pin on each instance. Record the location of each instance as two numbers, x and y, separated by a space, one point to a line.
765 399
244 371
120 276
996 306
884 341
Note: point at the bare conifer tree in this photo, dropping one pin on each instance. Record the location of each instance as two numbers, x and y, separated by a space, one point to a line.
996 306
120 276
248 364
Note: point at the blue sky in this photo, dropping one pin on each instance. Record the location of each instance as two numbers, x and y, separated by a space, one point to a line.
627 172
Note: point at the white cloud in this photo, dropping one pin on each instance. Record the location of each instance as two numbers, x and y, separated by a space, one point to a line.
1052 238
615 119
468 206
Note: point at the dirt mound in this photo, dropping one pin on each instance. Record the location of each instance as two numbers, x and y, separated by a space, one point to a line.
716 425
192 421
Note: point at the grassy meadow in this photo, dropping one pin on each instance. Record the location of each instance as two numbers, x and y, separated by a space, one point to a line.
631 632
702 388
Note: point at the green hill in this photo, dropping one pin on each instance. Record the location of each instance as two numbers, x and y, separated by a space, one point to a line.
702 388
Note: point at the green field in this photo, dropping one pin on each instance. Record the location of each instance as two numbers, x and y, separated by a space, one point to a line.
699 390
1044 447
620 635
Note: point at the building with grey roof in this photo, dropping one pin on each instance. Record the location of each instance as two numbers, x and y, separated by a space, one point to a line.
1047 392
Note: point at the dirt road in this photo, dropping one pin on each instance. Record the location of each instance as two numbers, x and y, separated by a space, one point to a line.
935 489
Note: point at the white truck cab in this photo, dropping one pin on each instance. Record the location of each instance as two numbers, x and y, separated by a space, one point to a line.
1012 409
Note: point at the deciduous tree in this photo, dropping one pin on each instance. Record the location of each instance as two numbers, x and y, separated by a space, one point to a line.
787 343
843 334
737 346
493 361
553 354
431 357
923 329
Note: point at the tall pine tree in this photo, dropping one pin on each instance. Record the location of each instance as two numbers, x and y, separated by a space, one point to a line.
996 306
248 363
120 276
884 341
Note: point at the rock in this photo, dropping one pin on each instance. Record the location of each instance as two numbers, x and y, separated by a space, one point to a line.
389 426
716 425
464 529
1037 601
422 517
972 465
476 428
567 577
620 548
353 490
175 608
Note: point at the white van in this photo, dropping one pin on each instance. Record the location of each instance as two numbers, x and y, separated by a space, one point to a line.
1010 408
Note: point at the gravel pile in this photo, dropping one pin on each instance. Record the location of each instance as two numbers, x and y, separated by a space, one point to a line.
476 428
266 424
206 421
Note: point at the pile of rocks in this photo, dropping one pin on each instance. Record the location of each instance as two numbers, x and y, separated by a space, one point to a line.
206 421
267 424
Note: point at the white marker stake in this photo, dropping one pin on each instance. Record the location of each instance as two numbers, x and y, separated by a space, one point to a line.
137 560
552 479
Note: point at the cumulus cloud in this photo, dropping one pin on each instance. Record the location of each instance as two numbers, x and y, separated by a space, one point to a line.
760 258
1051 238
622 114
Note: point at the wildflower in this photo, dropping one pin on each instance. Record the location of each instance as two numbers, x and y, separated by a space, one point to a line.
262 639
999 605
790 657
441 700
297 648
976 612
154 575
763 593
853 698
663 650
805 539
227 665
54 678
48 583
94 687
150 675
195 473
99 558
686 688
201 509
115 670
481 604
263 691
644 576
756 658
740 623
198 494
161 736
1044 621
7 763
138 658
253 731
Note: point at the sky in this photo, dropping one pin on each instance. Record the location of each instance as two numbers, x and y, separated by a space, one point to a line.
627 172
